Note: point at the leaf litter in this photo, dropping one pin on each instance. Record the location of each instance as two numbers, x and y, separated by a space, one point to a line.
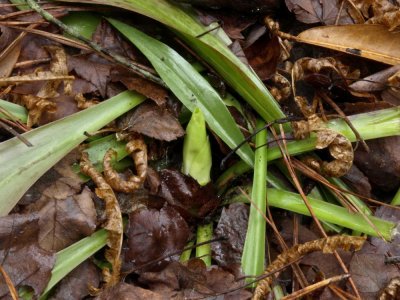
61 209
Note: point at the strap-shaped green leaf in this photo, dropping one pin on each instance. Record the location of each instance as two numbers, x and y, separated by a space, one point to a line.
189 87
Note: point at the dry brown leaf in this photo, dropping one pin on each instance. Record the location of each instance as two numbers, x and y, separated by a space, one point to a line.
375 42
326 245
36 107
9 55
58 66
392 290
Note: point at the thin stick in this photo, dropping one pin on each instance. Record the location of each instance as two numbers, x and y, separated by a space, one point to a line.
9 283
15 133
118 58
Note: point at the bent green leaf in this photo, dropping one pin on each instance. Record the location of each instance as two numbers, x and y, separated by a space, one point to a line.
189 87
22 166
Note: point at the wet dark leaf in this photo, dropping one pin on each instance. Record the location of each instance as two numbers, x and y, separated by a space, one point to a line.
186 195
358 181
194 280
368 268
152 234
316 11
124 291
66 214
24 261
263 56
76 284
232 226
382 163
154 121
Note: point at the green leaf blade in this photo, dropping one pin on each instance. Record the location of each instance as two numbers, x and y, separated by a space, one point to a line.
189 86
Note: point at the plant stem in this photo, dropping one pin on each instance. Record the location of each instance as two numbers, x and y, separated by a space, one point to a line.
384 123
185 256
71 257
324 211
253 257
204 234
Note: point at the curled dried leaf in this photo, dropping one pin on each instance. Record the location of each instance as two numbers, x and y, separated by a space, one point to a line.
36 107
326 245
138 150
392 290
281 88
113 224
84 103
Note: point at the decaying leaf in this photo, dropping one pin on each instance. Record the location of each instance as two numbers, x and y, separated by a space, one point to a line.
392 290
152 235
58 66
10 47
371 41
113 224
77 283
36 107
232 226
326 245
378 12
24 261
194 280
124 291
186 195
281 88
340 147
138 150
319 11
163 125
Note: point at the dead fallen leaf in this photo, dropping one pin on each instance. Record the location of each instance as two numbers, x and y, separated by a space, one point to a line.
232 226
154 121
25 262
186 195
263 56
10 46
145 87
318 11
124 291
194 280
358 182
76 284
376 81
374 42
66 213
160 232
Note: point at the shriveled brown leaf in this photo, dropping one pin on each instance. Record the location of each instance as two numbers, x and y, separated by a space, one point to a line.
76 284
58 66
124 291
232 226
370 41
326 245
186 195
25 262
318 11
392 290
154 121
113 223
36 108
194 280
153 234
